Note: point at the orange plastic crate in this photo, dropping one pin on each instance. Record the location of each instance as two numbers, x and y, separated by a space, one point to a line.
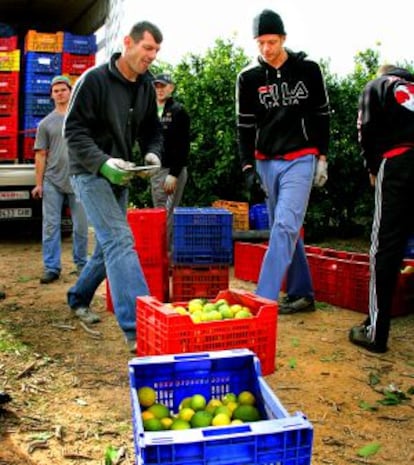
240 211
199 281
161 330
43 42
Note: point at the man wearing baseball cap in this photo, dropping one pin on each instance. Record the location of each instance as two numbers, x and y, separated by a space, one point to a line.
283 133
53 186
167 186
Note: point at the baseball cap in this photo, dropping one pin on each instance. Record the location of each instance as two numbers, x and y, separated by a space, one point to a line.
61 80
268 22
163 79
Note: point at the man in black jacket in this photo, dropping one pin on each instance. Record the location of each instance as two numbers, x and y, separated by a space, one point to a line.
112 108
167 186
283 133
386 135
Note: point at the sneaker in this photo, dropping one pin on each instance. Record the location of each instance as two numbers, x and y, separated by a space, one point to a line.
48 277
132 346
358 335
294 304
86 315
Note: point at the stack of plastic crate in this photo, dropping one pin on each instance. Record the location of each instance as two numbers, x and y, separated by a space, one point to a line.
149 228
9 92
79 54
41 62
202 251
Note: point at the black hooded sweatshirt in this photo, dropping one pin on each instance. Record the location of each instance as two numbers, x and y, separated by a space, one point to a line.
281 111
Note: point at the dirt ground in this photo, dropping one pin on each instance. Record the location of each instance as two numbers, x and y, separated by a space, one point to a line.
70 388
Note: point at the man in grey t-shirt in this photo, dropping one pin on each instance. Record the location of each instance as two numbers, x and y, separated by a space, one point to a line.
53 186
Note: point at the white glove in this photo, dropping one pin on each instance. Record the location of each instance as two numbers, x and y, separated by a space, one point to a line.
321 173
152 159
116 171
169 184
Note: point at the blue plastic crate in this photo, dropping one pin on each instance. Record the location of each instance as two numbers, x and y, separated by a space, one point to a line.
258 216
79 44
30 123
409 248
38 104
37 83
279 439
202 235
38 62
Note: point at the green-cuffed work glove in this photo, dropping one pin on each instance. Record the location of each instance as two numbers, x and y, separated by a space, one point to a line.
115 170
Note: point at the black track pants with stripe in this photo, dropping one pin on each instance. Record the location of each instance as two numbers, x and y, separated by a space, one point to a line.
392 225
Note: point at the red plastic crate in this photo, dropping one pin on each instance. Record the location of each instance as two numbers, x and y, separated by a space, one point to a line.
157 279
28 148
248 259
76 64
8 147
8 125
149 228
161 330
9 104
8 44
199 281
9 82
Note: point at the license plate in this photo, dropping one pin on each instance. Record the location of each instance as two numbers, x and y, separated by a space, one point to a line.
14 195
6 213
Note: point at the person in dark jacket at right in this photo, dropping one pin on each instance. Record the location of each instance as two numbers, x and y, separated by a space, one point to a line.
283 134
386 136
167 186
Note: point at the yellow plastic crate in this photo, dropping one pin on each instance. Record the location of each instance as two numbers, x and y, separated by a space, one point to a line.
10 61
240 212
43 42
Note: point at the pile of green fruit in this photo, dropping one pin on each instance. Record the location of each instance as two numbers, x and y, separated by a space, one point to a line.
201 310
196 411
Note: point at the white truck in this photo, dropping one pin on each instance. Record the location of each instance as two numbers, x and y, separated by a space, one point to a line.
17 207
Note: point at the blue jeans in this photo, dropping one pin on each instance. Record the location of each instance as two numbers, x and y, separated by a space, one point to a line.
288 185
114 255
52 203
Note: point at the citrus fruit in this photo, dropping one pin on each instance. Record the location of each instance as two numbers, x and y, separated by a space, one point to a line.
243 314
246 398
223 409
212 405
181 310
146 415
166 422
180 424
236 422
186 402
186 413
153 424
221 419
198 402
159 410
208 307
229 397
146 396
201 419
195 305
232 406
246 413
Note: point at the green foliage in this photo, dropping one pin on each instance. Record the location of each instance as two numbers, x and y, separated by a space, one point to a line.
206 86
369 449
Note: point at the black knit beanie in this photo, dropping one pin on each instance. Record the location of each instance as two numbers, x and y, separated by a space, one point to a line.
268 22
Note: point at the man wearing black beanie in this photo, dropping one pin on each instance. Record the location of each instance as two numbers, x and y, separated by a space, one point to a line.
283 133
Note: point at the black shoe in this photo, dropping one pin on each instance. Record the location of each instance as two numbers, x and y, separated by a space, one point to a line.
358 335
2 295
48 277
294 304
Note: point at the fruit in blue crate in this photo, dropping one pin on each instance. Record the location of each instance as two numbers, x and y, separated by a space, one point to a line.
198 402
246 398
229 397
159 410
179 424
153 424
246 413
221 419
201 419
146 396
186 413
213 404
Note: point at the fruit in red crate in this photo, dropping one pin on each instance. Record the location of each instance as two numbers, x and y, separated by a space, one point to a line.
195 305
243 313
